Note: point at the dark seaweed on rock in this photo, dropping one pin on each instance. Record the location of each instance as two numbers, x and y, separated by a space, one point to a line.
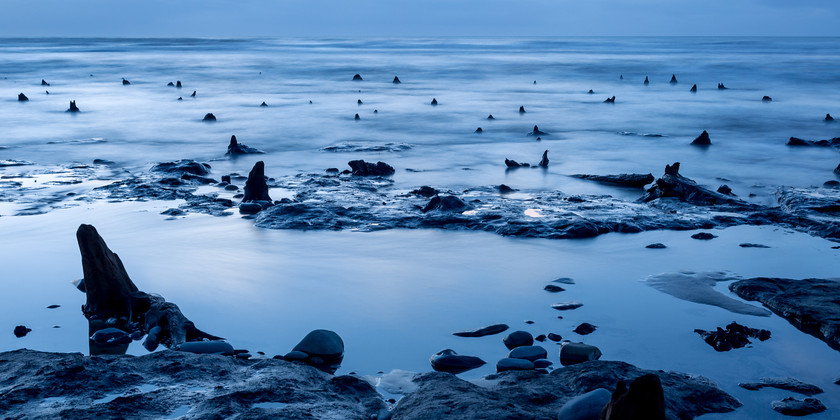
734 336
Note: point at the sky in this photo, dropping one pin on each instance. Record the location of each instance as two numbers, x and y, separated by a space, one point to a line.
314 18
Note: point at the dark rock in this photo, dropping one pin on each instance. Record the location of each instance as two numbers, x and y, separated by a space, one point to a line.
530 395
396 80
193 94
531 353
544 161
209 117
263 104
793 407
481 332
552 288
504 189
693 89
22 97
586 406
449 361
170 84
425 191
256 188
478 130
181 167
621 77
434 101
828 117
21 331
574 353
178 85
357 117
235 388
357 77
702 139
540 338
536 132
788 384
514 364
44 83
53 306
722 87
295 356
73 107
795 141
810 305
725 190
610 100
591 92
446 203
554 337
236 148
566 306
542 363
358 102
250 208
749 245
125 82
226 178
110 336
362 168
833 183
644 400
656 246
837 170
674 78
510 163
375 111
624 180
766 99
703 236
518 339
490 117
734 336
646 80
585 328
180 98
672 184
325 349
522 109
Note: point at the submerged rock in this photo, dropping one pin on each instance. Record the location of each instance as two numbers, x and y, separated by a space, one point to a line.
125 82
22 97
450 361
181 167
699 288
481 332
510 163
396 80
722 87
574 353
490 117
693 89
673 78
44 83
624 180
566 306
793 407
434 101
810 305
73 107
767 99
610 100
531 353
357 77
209 117
703 236
702 139
509 363
522 109
656 245
734 336
536 132
646 82
263 104
787 384
478 130
362 168
236 148
828 117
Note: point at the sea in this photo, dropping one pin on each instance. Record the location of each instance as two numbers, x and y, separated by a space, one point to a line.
396 296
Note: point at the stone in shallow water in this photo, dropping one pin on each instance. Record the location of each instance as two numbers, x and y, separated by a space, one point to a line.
749 245
566 306
21 330
704 236
733 337
585 328
518 339
110 336
531 353
514 364
656 246
574 353
206 347
793 407
586 406
481 332
325 349
553 288
788 384
450 361
699 288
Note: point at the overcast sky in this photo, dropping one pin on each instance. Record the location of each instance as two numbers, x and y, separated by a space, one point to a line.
249 18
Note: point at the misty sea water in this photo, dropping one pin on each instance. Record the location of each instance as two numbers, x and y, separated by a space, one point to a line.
396 296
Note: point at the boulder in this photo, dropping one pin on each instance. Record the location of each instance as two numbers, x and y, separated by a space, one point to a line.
587 406
110 336
170 84
591 92
478 130
722 87
610 100
531 353
182 167
536 132
793 407
733 337
544 161
357 77
256 188
178 85
828 117
490 117
359 102
510 163
481 332
522 109
566 306
585 328
209 117
702 139
644 400
357 117
193 94
656 245
624 180
125 82
766 98
21 331
73 107
396 80
703 236
674 79
325 349
425 191
693 89
518 339
553 288
514 364
434 101
449 361
447 203
44 83
22 97
362 168
574 353
236 148
263 104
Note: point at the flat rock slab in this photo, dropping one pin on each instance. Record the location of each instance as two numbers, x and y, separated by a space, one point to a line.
481 332
811 305
793 407
41 385
532 395
788 384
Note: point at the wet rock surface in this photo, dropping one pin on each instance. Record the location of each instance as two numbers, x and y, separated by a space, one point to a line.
810 305
449 361
699 288
167 384
788 384
481 332
795 141
532 395
793 407
624 180
734 336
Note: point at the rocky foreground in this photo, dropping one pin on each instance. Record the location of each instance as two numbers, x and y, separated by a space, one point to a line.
172 384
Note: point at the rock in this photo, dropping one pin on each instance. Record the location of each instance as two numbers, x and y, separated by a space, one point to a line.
325 349
434 101
564 280
585 328
182 167
22 97
749 245
510 163
481 332
833 183
810 305
180 99
193 94
73 107
624 180
554 337
357 117
362 168
504 189
256 188
21 331
358 102
702 139
514 364
674 79
236 148
357 77
788 384
591 92
531 395
518 339
733 337
672 184
542 363
110 336
396 80
766 99
646 81
722 87
700 288
170 84
53 306
793 407
693 89
795 141
206 347
295 356
250 208
478 130
209 117
725 190
586 406
110 293
566 306
522 109
574 353
656 245
179 85
125 82
536 132
828 117
552 288
449 361
447 203
644 400
425 191
610 100
490 117
544 161
531 353
703 236
44 83
263 104
168 383
837 170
